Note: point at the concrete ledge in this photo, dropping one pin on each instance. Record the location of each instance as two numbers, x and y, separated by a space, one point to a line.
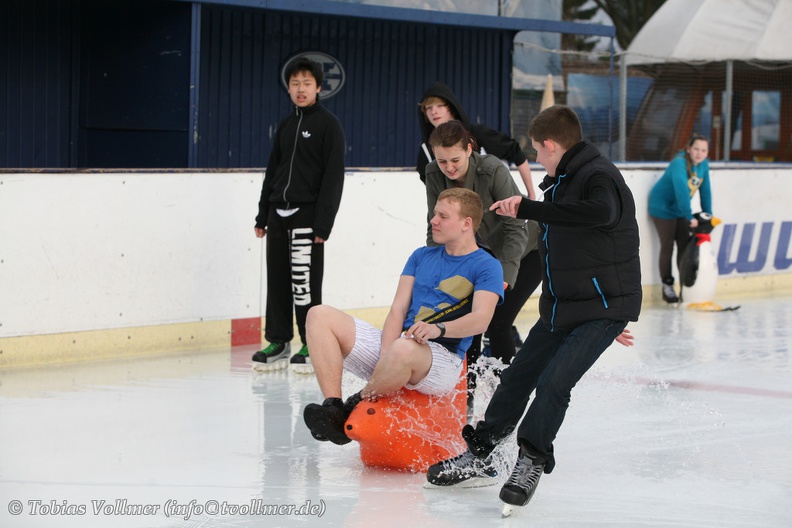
43 350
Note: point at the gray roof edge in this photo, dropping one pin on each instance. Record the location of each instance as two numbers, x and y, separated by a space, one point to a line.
420 16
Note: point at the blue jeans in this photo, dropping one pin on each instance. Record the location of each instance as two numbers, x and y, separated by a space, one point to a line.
552 363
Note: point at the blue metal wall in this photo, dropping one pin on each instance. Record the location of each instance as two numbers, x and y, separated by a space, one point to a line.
91 83
134 84
87 83
388 65
37 84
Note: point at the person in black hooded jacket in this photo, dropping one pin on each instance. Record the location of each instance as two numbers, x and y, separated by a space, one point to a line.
591 289
439 105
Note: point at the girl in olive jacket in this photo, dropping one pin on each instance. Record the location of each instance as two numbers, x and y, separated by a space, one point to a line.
512 241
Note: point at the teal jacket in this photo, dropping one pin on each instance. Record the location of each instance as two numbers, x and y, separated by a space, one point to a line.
670 197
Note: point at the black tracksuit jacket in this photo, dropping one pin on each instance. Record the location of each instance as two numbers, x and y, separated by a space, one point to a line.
306 166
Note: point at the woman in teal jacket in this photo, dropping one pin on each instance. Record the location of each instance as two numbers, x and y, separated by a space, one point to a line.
669 205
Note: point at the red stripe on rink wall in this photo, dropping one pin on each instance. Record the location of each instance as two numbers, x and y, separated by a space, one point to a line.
246 331
695 385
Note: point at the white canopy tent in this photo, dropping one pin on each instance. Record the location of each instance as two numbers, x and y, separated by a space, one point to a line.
698 31
715 30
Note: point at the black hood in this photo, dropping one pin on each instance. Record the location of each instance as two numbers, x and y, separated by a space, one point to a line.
441 90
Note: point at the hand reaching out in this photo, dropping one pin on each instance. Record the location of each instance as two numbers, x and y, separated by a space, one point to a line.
626 338
507 207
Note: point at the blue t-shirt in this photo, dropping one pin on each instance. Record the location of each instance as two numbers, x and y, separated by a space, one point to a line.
443 282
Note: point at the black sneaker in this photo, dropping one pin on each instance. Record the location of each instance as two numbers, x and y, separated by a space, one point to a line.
274 357
523 481
301 362
463 471
326 421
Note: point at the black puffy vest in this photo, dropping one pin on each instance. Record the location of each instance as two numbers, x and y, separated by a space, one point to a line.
590 273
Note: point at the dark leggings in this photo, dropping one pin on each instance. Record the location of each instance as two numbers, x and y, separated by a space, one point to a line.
670 231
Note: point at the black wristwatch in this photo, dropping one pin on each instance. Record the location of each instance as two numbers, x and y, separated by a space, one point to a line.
441 326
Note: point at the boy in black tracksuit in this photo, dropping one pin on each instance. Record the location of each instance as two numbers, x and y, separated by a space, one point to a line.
591 288
299 201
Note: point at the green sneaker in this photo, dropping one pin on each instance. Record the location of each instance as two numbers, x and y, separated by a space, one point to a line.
273 357
301 362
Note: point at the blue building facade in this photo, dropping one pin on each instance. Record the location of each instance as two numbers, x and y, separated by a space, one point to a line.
191 84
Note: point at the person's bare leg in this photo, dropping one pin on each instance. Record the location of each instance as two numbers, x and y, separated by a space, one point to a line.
330 336
405 361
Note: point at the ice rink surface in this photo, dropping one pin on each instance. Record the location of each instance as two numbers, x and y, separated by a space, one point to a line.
691 427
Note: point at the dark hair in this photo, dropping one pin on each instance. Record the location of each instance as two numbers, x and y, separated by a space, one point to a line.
558 123
304 64
452 133
697 137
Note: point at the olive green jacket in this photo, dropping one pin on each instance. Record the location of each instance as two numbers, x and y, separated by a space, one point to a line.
509 239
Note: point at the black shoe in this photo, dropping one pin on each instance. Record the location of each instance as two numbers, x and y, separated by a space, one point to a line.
669 295
523 481
326 421
477 445
464 471
274 356
301 362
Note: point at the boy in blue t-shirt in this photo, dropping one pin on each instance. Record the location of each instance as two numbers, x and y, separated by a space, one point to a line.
446 295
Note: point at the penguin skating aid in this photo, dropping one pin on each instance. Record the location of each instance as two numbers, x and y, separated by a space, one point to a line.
698 268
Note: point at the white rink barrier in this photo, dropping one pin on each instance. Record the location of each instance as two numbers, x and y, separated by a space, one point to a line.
111 251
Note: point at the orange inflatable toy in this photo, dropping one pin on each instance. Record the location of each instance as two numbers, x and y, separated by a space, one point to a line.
410 430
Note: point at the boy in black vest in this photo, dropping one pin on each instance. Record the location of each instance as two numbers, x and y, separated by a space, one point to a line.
591 289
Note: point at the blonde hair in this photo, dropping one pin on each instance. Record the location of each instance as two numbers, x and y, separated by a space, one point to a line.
470 204
432 99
